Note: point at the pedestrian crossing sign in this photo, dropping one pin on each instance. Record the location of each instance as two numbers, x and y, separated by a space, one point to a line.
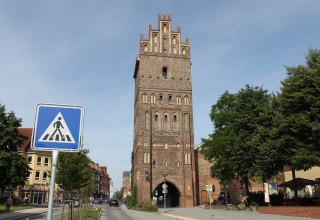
58 127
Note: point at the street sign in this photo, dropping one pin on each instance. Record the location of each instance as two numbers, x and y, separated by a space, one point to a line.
209 188
58 127
164 186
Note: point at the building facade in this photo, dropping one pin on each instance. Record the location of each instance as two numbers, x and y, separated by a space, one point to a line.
163 118
126 183
36 188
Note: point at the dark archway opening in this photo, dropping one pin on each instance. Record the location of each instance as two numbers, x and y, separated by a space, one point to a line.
172 197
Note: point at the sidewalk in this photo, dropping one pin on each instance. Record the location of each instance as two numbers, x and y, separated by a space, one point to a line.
199 213
25 213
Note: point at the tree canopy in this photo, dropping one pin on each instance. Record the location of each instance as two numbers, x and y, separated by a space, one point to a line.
238 120
257 133
299 102
14 168
74 171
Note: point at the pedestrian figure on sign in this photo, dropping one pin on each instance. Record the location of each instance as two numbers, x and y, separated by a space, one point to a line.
8 204
57 126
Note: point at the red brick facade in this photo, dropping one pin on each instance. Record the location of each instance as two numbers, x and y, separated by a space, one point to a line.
163 119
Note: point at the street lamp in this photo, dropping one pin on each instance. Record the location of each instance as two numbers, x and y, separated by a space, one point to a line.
146 174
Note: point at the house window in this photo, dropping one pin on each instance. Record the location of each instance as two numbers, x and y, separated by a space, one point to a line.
156 118
178 164
28 177
170 99
46 161
45 175
166 146
39 161
29 160
37 177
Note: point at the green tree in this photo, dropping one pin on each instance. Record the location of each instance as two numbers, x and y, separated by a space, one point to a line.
73 171
234 145
299 102
132 199
218 147
119 194
14 169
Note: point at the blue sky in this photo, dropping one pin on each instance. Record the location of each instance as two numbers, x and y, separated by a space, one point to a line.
83 53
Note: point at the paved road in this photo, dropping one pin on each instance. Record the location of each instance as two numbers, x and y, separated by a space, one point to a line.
122 213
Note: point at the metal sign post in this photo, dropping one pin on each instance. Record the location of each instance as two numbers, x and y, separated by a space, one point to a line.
165 191
52 183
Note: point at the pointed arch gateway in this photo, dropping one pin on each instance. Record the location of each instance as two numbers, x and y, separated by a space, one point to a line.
173 196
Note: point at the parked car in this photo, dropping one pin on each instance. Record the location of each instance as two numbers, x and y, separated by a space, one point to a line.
113 202
105 201
97 201
222 200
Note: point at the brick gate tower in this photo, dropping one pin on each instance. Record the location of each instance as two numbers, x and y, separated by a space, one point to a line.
163 121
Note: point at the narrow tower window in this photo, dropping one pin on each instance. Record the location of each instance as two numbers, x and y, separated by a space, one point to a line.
161 97
165 72
178 100
153 98
186 100
144 98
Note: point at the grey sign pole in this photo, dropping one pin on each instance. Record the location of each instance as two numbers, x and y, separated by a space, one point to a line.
52 183
165 191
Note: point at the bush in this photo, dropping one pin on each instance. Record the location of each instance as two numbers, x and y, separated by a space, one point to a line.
241 206
132 200
146 206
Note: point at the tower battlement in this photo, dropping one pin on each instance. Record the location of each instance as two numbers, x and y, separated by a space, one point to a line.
164 40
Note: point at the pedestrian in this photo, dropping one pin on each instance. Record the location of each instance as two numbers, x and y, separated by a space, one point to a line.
244 200
8 204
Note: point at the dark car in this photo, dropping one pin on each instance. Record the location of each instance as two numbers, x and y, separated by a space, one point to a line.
105 200
222 200
97 201
113 202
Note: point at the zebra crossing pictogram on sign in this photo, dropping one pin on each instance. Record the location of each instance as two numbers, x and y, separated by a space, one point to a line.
57 131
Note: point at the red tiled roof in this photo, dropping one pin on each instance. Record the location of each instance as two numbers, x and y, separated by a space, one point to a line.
26 145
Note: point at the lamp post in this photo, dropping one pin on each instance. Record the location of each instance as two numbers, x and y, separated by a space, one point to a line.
146 173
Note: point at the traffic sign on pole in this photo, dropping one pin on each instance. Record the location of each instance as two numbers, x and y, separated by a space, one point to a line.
58 127
209 187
